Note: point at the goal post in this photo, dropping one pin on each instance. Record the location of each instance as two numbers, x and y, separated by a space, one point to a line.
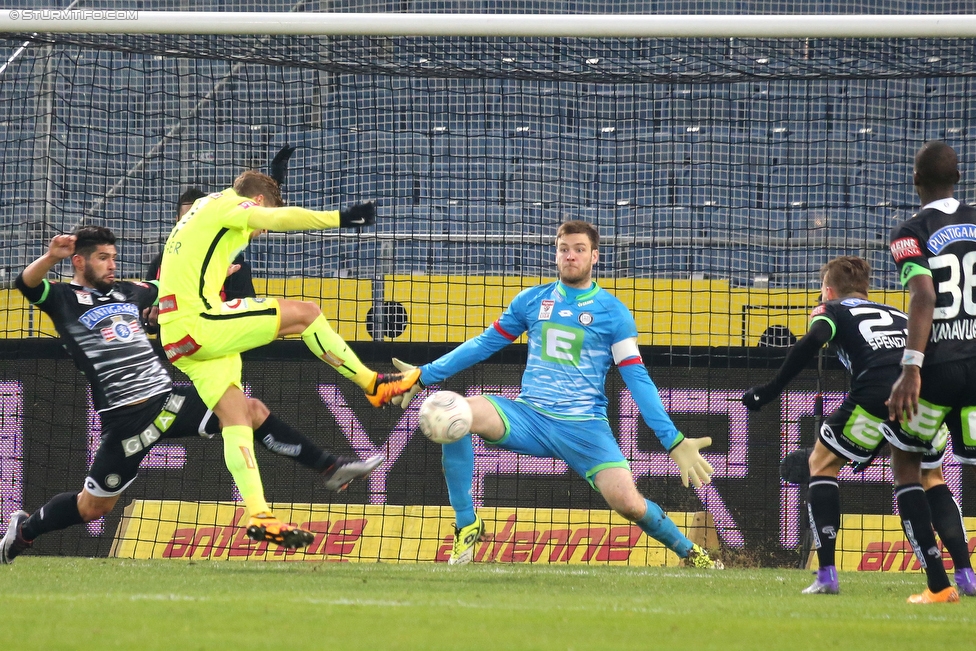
95 21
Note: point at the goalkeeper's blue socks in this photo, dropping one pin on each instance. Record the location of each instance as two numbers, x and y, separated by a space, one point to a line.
660 527
458 463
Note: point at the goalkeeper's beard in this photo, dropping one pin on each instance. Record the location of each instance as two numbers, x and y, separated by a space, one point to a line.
570 276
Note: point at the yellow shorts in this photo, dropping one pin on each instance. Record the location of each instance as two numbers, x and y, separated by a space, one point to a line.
208 346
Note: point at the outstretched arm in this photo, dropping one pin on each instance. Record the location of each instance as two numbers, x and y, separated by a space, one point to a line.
685 452
467 354
821 331
293 218
506 329
648 400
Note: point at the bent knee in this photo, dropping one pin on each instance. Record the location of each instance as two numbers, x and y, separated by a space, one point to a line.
309 311
485 421
632 512
89 512
630 508
258 412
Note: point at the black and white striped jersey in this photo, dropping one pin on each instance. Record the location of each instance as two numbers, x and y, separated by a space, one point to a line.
867 335
940 241
103 334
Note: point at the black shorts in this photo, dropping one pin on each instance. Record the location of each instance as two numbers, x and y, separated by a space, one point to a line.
128 434
948 395
859 428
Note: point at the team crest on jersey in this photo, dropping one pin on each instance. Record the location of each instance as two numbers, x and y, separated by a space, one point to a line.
904 248
84 298
120 330
545 310
565 313
585 318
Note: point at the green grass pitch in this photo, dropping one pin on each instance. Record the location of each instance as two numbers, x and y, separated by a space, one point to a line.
73 603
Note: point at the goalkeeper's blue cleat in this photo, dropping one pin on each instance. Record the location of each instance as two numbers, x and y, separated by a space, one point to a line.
13 543
464 542
699 558
825 583
345 469
966 582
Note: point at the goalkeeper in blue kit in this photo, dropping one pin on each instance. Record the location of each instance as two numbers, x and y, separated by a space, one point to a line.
575 331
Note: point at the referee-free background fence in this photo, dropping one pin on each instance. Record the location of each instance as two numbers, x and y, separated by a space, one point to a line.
722 172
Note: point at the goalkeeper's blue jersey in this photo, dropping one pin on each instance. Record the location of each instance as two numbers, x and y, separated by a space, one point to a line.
571 333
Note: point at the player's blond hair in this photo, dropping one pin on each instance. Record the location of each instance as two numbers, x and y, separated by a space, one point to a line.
847 274
250 184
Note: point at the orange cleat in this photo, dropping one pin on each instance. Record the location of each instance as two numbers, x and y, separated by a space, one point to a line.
265 527
947 596
389 385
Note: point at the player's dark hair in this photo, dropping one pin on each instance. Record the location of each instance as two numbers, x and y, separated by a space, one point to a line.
936 166
89 238
189 196
847 274
576 227
250 184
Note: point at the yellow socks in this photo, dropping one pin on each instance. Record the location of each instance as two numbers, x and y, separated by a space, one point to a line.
240 460
325 344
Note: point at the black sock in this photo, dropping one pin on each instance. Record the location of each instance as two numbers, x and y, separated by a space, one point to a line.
916 520
947 520
823 504
281 438
59 513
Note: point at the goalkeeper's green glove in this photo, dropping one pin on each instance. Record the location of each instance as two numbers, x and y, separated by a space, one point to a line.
404 399
361 214
690 462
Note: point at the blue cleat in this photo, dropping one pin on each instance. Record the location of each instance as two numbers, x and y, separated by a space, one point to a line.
966 582
825 583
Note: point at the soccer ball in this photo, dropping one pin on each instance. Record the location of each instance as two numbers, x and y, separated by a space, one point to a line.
445 417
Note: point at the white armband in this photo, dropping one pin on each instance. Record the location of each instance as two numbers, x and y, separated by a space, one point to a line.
625 349
912 358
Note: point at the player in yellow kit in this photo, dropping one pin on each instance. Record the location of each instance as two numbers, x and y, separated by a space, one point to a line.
204 337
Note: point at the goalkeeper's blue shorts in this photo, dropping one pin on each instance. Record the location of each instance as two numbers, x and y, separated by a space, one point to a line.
587 446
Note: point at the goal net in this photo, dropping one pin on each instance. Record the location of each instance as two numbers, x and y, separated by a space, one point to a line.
722 172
